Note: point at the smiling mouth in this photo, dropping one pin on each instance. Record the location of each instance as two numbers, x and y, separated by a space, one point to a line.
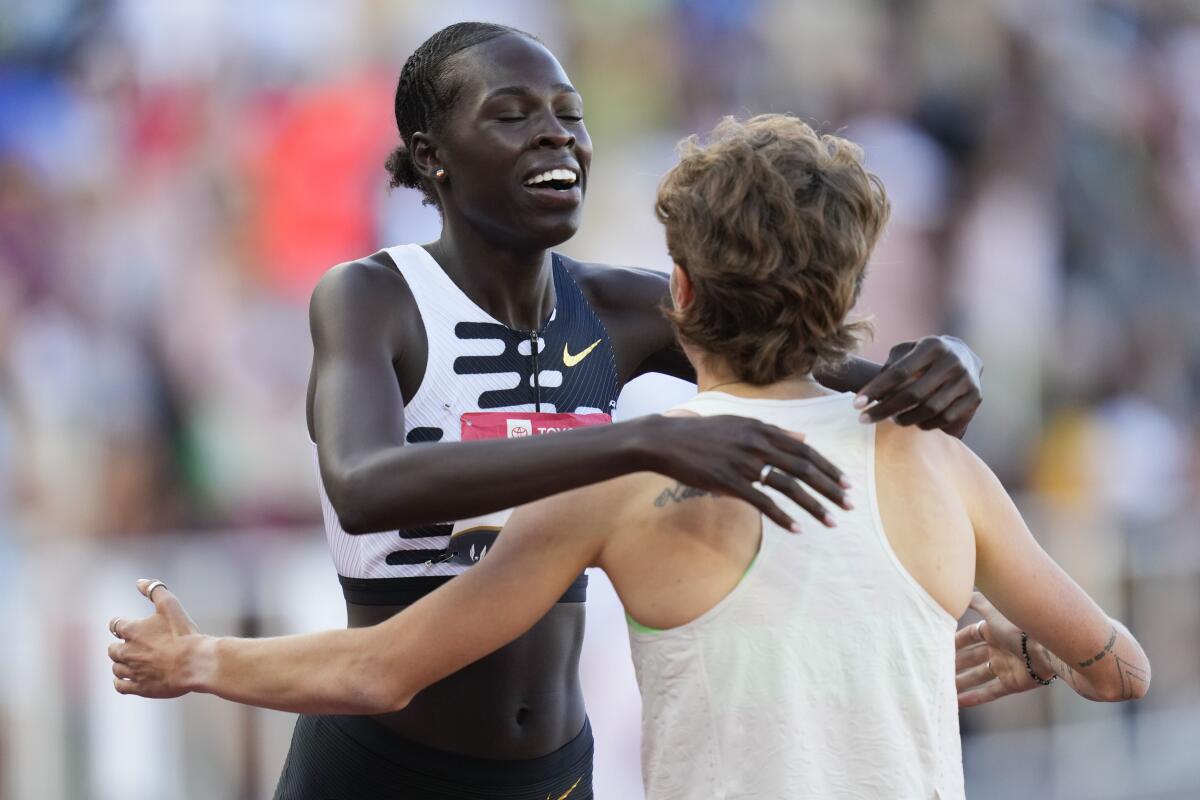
556 179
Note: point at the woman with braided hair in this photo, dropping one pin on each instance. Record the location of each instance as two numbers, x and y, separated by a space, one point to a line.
437 371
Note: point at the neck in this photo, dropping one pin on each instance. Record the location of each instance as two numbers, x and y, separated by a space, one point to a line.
795 387
515 286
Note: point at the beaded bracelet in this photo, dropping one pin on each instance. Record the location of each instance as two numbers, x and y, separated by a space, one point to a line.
1029 663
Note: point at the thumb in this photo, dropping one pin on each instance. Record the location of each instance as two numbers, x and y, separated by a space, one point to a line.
166 603
980 603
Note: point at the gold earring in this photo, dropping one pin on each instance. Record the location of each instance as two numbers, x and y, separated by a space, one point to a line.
439 174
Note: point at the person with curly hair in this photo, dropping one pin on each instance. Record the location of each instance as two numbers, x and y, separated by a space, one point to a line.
438 369
770 664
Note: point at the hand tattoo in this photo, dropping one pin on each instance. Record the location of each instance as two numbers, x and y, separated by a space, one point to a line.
678 494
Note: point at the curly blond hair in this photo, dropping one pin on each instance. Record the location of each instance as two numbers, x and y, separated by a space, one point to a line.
773 224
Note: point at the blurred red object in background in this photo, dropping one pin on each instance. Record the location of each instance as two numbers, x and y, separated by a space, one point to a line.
316 171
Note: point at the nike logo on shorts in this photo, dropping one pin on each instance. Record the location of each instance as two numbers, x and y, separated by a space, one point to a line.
564 796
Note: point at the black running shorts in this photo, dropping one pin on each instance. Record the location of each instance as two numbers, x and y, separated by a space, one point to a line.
356 758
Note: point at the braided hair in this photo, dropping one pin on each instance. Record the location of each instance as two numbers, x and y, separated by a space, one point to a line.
426 92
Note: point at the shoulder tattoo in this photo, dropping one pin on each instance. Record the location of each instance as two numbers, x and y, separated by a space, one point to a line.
679 493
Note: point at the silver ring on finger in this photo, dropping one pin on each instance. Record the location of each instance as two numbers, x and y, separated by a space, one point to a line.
150 589
979 630
990 670
764 473
112 627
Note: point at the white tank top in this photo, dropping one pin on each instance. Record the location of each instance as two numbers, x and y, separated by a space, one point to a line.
828 672
475 364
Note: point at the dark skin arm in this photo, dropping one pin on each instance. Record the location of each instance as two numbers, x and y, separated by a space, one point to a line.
933 383
369 355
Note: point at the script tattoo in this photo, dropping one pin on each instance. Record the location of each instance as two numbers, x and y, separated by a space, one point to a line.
678 494
1112 640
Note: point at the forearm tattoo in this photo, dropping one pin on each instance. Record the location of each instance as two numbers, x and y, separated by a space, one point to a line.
1062 669
1112 640
679 493
1131 678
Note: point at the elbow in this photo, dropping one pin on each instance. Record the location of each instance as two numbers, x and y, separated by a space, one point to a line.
352 520
1137 689
371 676
1115 694
350 501
397 701
1129 682
1143 688
384 696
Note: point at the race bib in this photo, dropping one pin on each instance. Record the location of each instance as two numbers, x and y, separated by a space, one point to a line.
471 538
478 425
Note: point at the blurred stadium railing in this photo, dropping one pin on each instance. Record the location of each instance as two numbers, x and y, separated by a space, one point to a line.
69 735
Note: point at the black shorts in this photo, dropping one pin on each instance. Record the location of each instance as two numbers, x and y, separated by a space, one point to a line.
356 758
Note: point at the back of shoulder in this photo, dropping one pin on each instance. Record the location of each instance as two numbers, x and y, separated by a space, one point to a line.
618 288
909 445
921 461
625 507
644 503
608 502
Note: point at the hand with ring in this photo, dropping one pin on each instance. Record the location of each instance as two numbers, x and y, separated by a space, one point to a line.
988 659
155 655
733 456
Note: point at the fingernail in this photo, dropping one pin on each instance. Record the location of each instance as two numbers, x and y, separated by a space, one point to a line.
845 482
864 417
829 521
794 527
862 401
847 504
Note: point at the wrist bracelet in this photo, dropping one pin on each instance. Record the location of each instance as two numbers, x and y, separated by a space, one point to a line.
1029 663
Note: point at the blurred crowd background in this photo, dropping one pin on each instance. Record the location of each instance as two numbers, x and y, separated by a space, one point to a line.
175 176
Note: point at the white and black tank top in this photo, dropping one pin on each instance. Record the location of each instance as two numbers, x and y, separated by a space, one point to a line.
480 374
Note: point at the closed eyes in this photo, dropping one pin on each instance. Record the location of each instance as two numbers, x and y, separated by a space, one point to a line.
520 117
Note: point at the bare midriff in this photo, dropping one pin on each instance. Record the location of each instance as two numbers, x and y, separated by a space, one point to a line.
522 701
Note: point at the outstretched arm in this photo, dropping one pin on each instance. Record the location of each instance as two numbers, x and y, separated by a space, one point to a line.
990 663
376 669
1068 634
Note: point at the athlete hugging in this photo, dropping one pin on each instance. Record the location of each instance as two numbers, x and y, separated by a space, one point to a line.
771 664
